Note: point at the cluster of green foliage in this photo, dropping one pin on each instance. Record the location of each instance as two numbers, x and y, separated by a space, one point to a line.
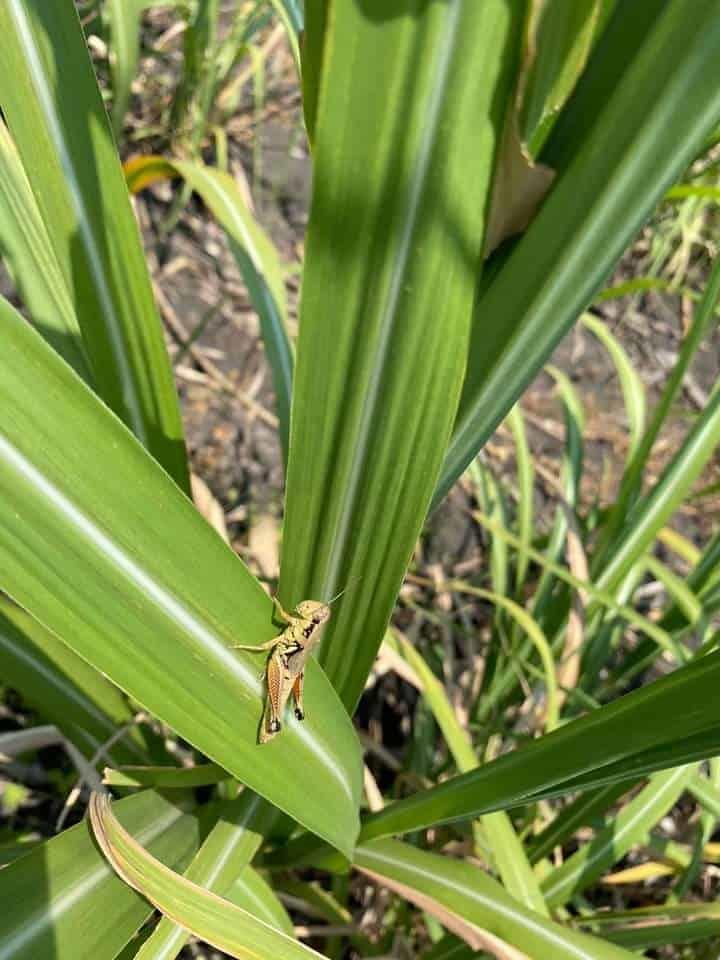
434 126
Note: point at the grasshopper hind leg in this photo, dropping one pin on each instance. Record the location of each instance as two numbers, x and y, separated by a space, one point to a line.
270 724
298 695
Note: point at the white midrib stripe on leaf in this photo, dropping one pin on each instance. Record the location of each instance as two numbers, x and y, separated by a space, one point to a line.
169 604
114 324
444 60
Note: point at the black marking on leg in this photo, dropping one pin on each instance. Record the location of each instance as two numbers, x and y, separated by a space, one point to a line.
299 713
274 726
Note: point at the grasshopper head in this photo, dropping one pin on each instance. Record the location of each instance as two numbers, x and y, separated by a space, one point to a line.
314 610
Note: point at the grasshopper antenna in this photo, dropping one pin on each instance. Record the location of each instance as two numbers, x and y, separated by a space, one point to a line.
346 587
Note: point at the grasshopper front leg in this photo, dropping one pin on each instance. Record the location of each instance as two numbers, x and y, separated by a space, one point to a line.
270 645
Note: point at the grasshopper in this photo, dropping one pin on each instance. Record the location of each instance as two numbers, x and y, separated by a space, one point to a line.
289 653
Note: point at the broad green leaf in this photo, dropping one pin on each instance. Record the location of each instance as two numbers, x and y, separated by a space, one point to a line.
62 900
648 935
507 850
214 920
561 36
409 111
221 861
620 741
607 846
648 130
62 687
458 892
110 555
25 244
52 104
255 253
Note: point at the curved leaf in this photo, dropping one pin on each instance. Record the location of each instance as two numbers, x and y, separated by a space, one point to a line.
51 100
221 860
454 891
216 921
702 319
116 561
630 383
255 253
507 850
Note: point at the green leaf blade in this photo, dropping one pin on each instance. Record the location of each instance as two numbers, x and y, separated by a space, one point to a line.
650 128
403 155
53 106
111 556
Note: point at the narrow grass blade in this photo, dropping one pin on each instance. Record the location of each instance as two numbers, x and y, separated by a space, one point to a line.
409 122
607 846
507 850
530 627
620 741
124 22
580 813
51 101
648 131
111 556
525 481
651 513
214 920
63 901
459 894
632 387
221 861
630 487
255 253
